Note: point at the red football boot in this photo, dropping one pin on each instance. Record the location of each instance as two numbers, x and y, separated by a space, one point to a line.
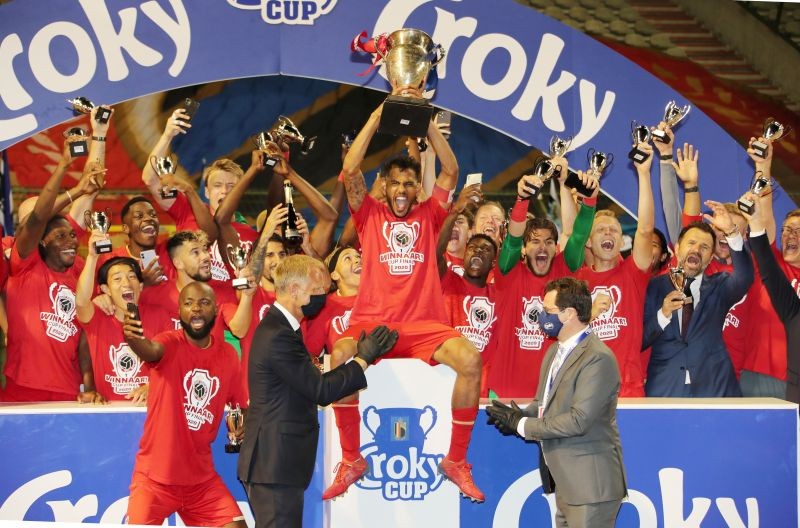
460 474
346 474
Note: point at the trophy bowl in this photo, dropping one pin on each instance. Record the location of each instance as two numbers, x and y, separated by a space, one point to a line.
234 421
640 134
773 131
99 221
239 257
598 161
165 166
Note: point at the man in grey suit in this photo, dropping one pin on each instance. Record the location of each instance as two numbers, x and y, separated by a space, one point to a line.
573 417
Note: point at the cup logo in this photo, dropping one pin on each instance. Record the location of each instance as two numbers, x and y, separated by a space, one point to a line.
530 336
608 325
340 323
479 315
400 239
126 366
200 388
59 323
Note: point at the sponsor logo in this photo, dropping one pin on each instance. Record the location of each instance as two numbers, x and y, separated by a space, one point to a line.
200 388
126 366
530 336
263 311
59 322
340 323
400 239
730 317
607 325
480 318
399 466
291 12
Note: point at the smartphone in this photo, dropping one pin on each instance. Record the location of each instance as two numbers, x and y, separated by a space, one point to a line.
472 179
132 308
147 256
573 181
444 117
190 106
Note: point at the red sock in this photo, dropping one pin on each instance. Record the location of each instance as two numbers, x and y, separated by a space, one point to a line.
349 423
459 439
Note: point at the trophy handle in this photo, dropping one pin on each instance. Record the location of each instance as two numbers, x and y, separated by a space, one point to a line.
610 157
108 214
438 53
87 219
589 154
380 41
153 163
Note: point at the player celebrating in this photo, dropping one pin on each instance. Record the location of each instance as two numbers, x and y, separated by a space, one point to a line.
398 241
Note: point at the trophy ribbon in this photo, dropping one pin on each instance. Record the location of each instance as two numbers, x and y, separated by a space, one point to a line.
376 46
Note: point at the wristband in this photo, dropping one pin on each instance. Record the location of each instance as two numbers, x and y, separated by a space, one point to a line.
590 202
665 157
98 138
442 194
692 189
519 213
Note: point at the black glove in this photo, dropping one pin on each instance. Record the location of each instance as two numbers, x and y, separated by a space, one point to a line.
505 418
380 341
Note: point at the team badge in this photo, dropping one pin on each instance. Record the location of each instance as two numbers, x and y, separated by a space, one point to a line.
200 388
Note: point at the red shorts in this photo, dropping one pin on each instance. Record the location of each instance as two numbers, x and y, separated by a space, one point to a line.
20 393
418 340
209 503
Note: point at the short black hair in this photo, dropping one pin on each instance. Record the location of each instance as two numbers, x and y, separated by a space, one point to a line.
402 162
130 203
702 226
484 237
539 223
102 273
572 293
182 237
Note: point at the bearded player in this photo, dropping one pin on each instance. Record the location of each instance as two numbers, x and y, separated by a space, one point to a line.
399 256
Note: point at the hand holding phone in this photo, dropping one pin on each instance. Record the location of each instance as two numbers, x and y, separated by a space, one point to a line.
190 107
133 309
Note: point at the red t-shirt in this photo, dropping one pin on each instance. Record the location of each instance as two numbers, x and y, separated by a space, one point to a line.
519 343
328 326
738 320
621 326
117 370
400 278
455 263
181 212
189 388
43 334
470 310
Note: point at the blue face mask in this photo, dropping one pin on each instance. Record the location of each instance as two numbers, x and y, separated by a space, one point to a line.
549 323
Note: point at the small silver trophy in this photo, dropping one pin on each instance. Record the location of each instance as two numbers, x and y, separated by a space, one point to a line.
559 148
598 161
238 256
773 131
287 131
234 421
99 221
673 114
165 166
640 134
757 187
81 105
545 170
80 147
264 142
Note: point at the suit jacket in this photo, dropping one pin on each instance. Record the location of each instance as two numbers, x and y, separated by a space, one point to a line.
281 428
702 351
580 452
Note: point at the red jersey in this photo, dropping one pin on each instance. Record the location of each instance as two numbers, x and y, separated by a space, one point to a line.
189 388
621 326
400 277
327 327
470 309
184 218
43 335
519 343
738 320
455 263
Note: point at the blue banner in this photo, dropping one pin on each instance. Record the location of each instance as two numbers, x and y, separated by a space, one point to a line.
507 66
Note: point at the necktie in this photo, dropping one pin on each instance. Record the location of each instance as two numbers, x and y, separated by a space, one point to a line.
688 309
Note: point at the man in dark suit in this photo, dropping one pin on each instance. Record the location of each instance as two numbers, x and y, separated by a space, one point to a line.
574 414
277 457
684 328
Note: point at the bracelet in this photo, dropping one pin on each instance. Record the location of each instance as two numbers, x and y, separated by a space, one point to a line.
665 157
98 138
69 196
696 188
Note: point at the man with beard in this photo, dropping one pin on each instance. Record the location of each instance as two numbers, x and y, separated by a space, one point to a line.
398 241
689 358
43 362
624 281
193 375
518 342
189 253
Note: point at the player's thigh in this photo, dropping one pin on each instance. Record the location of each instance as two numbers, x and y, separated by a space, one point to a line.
460 355
150 502
210 504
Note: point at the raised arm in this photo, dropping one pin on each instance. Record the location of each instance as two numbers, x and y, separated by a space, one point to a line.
577 232
670 203
686 169
147 350
646 212
97 154
764 165
327 216
354 184
175 125
467 195
448 173
84 307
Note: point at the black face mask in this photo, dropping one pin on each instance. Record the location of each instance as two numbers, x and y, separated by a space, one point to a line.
315 305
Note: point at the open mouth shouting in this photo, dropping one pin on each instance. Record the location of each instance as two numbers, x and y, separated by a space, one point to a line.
401 203
607 245
197 322
127 296
693 260
149 229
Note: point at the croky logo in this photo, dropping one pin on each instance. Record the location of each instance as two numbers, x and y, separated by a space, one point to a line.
340 323
126 366
399 467
530 336
607 325
479 312
59 322
291 12
400 239
200 388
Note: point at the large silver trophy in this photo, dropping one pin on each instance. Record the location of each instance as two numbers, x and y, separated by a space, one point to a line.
673 114
239 256
99 221
234 421
81 105
640 134
165 166
760 182
773 131
410 56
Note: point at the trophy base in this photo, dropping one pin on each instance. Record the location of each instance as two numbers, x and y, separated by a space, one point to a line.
240 284
103 115
169 193
746 206
232 448
573 181
405 116
102 247
660 136
760 148
637 156
78 149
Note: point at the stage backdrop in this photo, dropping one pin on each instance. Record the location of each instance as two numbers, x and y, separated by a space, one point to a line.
507 66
